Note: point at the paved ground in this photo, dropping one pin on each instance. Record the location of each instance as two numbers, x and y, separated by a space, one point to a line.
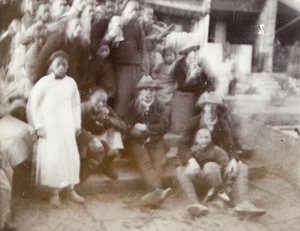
120 211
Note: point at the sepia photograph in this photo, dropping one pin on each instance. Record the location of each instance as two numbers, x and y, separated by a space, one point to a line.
149 115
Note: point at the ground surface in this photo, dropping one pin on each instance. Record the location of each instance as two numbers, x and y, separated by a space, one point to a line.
120 211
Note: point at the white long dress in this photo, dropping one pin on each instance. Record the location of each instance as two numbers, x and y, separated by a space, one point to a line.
54 105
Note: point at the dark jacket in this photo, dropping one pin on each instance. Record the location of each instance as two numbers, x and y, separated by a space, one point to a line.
221 134
97 122
204 82
130 51
211 153
155 118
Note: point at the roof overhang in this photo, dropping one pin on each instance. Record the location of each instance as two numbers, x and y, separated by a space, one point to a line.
187 8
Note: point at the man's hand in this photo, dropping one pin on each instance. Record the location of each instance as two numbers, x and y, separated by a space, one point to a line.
77 132
193 168
138 129
41 133
231 169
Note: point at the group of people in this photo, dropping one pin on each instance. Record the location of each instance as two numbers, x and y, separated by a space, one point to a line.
101 83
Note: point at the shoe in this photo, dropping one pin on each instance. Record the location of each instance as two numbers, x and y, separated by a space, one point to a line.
246 207
55 200
223 196
73 196
197 209
211 194
155 198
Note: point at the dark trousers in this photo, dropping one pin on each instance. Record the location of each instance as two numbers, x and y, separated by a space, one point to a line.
150 160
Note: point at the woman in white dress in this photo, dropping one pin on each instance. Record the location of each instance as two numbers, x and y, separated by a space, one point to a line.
54 112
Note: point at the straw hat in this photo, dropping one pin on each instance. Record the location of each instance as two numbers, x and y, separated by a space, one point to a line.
147 82
210 97
186 50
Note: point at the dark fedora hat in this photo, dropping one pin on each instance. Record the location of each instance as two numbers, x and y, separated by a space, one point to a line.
56 54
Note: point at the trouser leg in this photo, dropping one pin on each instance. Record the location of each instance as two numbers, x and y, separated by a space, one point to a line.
127 77
187 184
158 157
5 198
95 156
212 173
240 186
141 156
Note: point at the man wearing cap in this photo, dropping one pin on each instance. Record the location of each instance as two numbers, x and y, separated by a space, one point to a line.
193 75
146 116
54 112
213 118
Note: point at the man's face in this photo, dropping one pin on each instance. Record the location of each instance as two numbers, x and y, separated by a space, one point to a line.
191 57
99 100
210 109
203 138
79 5
103 51
169 57
148 14
110 8
58 8
43 13
59 67
147 94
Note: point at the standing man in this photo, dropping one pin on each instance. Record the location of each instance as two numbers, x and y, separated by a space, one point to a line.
128 56
193 74
54 112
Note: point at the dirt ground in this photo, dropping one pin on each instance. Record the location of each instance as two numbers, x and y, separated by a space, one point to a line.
120 211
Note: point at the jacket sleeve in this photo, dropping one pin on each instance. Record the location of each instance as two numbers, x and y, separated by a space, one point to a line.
76 106
222 156
35 101
115 122
162 125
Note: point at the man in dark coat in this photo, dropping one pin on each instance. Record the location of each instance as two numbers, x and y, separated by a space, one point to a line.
127 57
193 75
100 138
148 121
236 173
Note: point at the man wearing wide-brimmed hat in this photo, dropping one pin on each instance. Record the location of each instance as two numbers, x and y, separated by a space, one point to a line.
236 174
146 116
193 74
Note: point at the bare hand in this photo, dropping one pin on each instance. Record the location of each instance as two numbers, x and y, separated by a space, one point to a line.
41 133
193 168
231 169
77 132
141 127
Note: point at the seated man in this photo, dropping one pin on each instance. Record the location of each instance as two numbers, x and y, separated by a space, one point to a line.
148 121
204 170
100 138
16 144
221 135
